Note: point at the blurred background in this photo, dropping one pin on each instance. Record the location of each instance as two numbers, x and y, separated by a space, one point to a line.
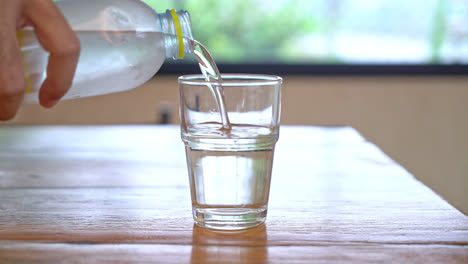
329 31
395 70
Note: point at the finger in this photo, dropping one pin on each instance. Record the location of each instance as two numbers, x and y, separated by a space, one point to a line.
22 22
12 82
56 37
60 72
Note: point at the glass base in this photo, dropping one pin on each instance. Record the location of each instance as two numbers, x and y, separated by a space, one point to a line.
229 218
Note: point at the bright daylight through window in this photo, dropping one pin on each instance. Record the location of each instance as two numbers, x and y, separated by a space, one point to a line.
330 31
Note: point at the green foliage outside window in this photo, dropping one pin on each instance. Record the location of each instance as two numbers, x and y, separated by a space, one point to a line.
329 31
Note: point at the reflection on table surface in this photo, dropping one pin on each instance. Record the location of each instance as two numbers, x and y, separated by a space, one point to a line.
229 245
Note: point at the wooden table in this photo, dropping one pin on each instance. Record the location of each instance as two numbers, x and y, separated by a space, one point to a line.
120 194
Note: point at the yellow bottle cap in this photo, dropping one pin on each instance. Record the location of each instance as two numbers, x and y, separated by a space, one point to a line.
180 37
19 37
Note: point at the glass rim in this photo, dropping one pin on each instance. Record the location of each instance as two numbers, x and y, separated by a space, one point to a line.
233 80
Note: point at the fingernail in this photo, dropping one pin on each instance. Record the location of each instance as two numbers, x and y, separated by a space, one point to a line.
50 103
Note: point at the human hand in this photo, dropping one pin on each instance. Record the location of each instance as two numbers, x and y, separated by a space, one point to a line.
55 36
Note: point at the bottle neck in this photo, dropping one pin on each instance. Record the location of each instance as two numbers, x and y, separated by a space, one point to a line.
177 30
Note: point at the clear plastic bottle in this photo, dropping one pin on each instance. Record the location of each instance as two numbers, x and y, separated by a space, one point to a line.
123 44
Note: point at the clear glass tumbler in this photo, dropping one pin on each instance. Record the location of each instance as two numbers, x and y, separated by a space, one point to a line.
230 162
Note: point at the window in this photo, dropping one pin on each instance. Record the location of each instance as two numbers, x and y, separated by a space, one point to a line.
427 36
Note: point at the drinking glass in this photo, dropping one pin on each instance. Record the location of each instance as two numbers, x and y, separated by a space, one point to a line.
230 158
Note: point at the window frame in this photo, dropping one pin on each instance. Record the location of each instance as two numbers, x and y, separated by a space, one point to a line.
323 69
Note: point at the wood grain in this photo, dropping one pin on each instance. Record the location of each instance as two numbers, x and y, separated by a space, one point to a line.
120 194
63 253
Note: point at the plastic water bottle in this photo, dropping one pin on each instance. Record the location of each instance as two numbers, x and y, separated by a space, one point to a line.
123 45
